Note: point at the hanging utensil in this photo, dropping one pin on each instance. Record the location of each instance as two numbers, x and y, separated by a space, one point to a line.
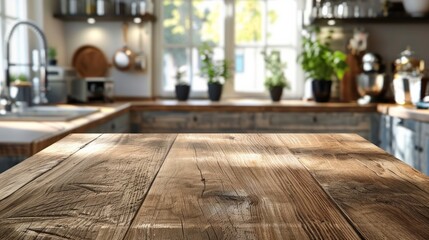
140 60
123 59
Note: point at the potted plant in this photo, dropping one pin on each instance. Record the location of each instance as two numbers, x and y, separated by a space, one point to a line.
321 64
216 72
52 56
182 87
276 79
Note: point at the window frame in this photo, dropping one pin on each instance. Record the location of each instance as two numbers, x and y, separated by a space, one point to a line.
4 32
229 51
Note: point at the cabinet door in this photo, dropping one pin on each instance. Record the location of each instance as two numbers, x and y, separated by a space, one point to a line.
405 141
359 123
120 124
424 148
386 133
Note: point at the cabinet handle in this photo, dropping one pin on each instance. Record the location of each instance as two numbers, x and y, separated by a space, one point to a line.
418 148
195 119
315 119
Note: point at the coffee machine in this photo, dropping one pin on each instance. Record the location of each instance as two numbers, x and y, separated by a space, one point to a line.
371 83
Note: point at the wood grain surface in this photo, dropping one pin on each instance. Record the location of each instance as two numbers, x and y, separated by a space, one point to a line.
384 197
251 105
213 186
93 193
236 187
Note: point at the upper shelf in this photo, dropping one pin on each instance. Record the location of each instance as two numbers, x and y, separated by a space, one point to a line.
106 18
374 20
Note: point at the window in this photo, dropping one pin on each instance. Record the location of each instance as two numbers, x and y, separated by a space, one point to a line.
10 12
239 29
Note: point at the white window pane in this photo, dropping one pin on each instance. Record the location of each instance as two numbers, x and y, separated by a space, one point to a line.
249 70
282 22
15 8
173 59
199 83
249 22
176 22
208 21
2 53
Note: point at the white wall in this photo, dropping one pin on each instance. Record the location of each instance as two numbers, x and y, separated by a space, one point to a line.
108 37
67 37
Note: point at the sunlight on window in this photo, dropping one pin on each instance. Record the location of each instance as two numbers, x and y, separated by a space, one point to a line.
10 12
259 25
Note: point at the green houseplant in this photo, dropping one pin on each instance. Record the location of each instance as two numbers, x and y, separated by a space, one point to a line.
216 72
182 87
276 79
321 64
52 56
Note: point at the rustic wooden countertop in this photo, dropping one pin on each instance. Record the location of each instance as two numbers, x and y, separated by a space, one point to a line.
27 138
218 186
249 105
406 112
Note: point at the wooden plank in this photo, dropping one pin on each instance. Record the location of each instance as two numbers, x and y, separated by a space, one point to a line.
241 186
385 198
94 193
37 165
250 106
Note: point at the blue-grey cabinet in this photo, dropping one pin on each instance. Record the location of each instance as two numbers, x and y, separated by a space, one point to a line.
407 140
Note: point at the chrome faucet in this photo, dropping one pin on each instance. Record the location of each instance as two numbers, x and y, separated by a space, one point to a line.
40 96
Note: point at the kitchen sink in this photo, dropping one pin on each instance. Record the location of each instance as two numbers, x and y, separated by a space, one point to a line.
49 113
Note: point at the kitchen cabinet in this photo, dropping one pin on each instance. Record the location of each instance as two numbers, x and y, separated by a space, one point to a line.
120 124
360 123
385 133
406 139
423 148
247 122
184 121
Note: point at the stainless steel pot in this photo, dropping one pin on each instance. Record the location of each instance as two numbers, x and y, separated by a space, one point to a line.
124 58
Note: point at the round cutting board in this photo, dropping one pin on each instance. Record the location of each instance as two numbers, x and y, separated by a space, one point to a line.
90 61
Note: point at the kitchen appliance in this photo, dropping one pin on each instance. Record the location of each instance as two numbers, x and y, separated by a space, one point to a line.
96 89
59 83
408 76
371 83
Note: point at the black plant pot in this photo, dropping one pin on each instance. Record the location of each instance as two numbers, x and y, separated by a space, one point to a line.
182 92
53 62
276 93
321 90
215 91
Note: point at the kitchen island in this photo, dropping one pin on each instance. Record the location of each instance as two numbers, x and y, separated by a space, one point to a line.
213 186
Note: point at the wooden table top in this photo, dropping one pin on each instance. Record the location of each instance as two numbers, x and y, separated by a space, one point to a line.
213 186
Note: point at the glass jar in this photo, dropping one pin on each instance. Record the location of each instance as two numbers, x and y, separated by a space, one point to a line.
90 7
63 7
73 7
102 7
119 7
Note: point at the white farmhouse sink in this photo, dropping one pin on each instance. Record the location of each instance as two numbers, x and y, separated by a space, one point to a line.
49 113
